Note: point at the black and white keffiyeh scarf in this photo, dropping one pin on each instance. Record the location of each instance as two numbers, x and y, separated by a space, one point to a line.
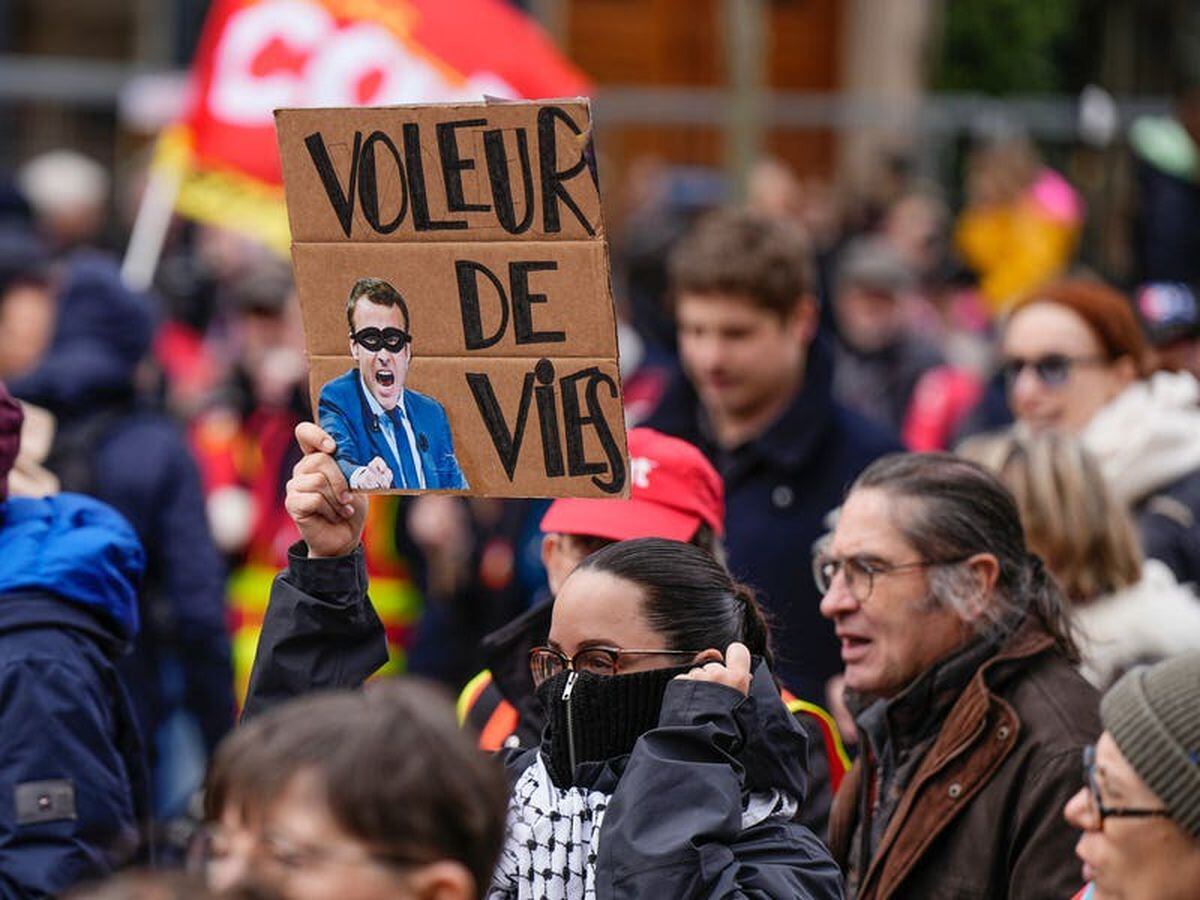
553 840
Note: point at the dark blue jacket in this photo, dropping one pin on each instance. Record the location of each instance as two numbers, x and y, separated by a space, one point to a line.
1166 232
114 447
347 418
1168 523
73 780
779 489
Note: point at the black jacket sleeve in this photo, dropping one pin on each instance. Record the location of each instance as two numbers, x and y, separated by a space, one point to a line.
814 813
320 630
674 826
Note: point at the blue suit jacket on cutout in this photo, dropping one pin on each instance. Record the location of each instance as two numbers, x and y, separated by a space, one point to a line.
345 415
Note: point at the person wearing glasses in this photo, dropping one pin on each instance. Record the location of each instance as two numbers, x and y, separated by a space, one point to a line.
1075 361
1139 808
388 436
669 765
354 795
960 672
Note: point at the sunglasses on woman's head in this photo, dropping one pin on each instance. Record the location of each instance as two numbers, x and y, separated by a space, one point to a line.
376 339
1052 370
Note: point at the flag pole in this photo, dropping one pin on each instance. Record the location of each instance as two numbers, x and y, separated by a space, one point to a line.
746 26
150 227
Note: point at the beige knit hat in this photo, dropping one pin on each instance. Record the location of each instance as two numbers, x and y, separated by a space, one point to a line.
1153 713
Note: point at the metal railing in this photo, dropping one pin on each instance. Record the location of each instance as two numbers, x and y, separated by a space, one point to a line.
97 84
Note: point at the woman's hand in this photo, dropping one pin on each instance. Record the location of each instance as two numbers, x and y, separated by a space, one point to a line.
734 672
329 516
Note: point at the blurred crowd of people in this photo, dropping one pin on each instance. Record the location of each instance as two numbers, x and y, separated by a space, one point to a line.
912 487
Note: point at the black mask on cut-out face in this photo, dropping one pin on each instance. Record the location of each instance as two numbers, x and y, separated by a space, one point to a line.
602 718
375 339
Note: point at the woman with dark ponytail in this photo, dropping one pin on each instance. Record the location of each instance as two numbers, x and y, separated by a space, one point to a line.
669 766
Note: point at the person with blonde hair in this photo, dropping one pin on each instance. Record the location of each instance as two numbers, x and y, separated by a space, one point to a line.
1127 610
1075 361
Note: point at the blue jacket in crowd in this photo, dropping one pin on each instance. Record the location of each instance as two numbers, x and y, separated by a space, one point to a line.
779 489
112 446
73 780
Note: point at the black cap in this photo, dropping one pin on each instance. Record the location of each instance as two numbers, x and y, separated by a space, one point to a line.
1169 311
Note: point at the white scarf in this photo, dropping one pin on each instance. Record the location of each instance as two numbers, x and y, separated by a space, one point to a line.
1148 436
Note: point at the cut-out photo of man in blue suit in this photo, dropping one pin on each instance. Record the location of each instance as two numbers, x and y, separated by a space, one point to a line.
388 436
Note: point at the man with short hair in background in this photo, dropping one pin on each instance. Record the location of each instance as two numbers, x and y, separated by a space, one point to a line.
757 400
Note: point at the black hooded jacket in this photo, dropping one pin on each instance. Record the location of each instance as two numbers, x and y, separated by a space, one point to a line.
680 820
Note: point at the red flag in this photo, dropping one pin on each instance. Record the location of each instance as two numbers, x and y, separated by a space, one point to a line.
259 55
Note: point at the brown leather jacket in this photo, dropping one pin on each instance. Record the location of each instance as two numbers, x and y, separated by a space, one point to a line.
982 815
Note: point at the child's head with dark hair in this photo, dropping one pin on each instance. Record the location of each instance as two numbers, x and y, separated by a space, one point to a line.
376 793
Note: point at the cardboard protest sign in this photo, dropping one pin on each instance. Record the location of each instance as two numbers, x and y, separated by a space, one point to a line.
454 283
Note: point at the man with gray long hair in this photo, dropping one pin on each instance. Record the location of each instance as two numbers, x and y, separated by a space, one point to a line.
959 670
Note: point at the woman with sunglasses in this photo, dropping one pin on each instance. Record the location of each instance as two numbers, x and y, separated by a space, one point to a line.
1139 808
669 766
1075 361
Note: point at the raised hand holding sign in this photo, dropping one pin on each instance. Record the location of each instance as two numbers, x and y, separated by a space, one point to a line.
330 517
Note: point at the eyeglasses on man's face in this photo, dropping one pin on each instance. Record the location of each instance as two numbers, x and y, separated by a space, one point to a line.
376 339
546 662
1099 812
860 572
1052 370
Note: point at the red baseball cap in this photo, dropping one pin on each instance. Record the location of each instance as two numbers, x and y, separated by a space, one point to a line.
673 490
